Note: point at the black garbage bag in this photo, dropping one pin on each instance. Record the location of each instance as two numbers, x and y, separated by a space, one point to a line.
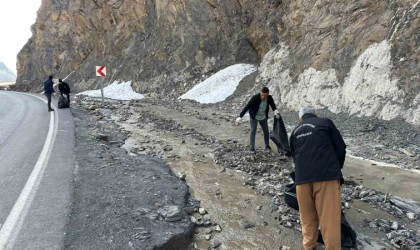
290 193
348 235
279 136
63 102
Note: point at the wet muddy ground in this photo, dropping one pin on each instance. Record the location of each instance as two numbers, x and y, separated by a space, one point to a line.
243 194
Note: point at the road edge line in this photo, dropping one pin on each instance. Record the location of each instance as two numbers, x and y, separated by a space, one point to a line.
15 219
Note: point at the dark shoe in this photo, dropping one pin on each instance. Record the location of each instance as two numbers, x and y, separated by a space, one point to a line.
267 148
282 158
285 152
252 151
49 110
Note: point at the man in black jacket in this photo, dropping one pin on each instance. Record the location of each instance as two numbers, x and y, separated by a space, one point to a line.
64 89
258 113
49 90
318 152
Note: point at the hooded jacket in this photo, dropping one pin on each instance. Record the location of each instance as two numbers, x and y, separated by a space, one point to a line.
64 88
254 104
318 150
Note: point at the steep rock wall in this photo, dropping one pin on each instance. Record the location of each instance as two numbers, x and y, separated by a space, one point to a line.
359 57
160 45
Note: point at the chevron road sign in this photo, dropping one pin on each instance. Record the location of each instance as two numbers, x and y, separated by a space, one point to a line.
100 71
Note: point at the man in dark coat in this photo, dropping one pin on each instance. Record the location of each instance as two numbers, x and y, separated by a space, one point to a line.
64 89
258 107
318 152
49 90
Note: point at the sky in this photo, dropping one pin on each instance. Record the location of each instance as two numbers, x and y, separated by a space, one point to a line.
16 18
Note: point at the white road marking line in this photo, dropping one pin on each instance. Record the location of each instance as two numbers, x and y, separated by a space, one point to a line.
14 221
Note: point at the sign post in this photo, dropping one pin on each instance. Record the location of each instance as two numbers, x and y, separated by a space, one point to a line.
101 71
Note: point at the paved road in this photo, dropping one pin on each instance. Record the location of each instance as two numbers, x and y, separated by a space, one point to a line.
36 170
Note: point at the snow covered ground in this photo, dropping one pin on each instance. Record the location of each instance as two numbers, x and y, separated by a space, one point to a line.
214 89
220 85
6 84
116 91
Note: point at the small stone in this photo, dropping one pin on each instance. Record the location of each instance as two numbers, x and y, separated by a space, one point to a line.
283 209
208 236
363 194
218 228
202 211
372 192
182 176
189 210
207 217
102 137
195 246
247 225
355 194
368 240
395 225
284 217
411 216
285 248
216 244
98 118
391 235
194 220
407 152
259 207
158 205
152 216
92 107
347 205
274 208
396 245
173 214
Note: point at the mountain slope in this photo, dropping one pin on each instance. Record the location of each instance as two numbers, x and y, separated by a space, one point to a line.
362 55
6 75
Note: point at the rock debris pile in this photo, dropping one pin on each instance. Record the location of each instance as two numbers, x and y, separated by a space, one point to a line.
267 171
268 174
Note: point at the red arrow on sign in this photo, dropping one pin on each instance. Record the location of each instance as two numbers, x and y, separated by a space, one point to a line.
100 70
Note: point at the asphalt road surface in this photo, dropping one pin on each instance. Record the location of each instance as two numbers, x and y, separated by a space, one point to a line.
36 172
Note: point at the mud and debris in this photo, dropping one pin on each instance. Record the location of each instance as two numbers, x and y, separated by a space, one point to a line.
242 193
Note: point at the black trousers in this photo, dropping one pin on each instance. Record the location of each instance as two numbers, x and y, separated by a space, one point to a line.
264 126
49 100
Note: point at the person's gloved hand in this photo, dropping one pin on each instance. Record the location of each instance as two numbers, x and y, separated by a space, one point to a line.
277 113
238 120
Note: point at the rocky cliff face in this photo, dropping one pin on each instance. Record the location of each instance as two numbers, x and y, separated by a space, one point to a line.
6 75
360 57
